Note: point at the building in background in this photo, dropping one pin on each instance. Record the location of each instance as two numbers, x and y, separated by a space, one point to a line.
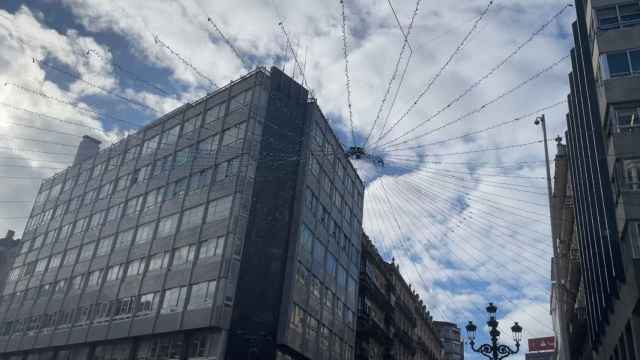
8 251
229 228
451 339
568 306
604 167
393 322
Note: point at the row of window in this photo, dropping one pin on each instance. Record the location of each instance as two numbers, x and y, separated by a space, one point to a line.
204 150
196 346
315 255
176 190
620 64
333 228
167 226
168 137
618 16
172 300
179 257
323 299
328 185
308 335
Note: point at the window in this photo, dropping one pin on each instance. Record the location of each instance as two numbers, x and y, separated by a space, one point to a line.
184 157
227 169
133 206
77 282
200 180
41 265
212 247
219 208
162 166
141 174
632 174
115 272
202 294
617 16
183 255
233 134
192 217
170 137
89 198
150 145
96 220
124 239
97 170
190 125
297 319
55 261
105 190
314 165
306 243
104 247
86 251
114 213
114 162
240 100
80 226
135 267
132 154
318 258
145 232
174 300
70 256
159 261
123 308
154 198
122 183
619 64
148 304
625 117
206 149
331 268
95 278
177 189
213 114
167 226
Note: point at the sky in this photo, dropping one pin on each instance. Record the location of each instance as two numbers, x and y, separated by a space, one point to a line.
461 202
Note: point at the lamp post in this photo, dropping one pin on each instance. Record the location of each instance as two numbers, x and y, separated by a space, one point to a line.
494 351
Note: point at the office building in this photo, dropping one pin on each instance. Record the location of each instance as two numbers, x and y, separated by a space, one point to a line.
8 251
603 152
451 340
393 323
227 229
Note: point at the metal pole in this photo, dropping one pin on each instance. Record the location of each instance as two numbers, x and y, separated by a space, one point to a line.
541 121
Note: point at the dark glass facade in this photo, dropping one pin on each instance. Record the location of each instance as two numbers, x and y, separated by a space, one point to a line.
215 232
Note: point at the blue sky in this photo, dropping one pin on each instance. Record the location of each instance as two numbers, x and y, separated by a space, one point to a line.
472 224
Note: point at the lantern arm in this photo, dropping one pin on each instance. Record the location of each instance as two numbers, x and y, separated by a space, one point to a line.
485 350
504 351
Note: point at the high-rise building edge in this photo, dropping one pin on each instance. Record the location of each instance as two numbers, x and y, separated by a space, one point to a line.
229 228
600 189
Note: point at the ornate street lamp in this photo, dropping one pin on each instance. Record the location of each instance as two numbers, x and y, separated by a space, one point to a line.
494 351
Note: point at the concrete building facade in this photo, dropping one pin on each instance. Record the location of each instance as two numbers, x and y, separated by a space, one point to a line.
451 339
227 229
393 323
603 152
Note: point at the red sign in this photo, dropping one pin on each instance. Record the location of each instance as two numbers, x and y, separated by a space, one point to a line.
542 344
